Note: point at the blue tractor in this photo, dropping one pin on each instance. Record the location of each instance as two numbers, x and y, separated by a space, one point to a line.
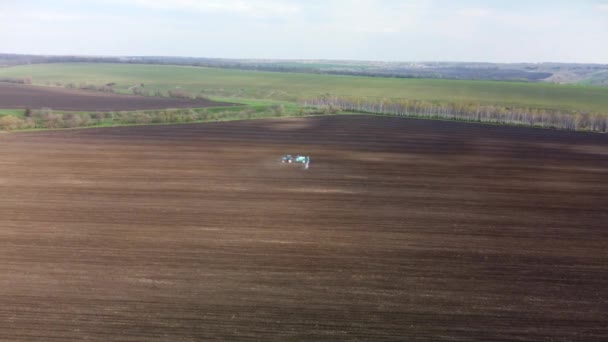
297 159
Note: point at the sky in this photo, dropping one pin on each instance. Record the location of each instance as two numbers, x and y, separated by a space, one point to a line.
506 31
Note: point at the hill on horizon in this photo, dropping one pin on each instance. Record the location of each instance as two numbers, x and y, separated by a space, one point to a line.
560 73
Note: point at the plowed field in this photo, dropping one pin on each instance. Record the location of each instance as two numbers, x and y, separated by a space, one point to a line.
400 230
15 96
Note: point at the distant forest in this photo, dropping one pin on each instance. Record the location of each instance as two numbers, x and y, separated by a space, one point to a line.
564 73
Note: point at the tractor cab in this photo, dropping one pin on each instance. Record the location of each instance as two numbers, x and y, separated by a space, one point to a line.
300 159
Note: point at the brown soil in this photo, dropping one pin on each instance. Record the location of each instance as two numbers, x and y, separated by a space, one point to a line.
16 96
401 230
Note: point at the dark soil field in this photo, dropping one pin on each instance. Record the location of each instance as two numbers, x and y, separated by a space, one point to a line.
400 230
16 96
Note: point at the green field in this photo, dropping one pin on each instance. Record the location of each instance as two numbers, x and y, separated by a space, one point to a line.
294 86
14 112
599 79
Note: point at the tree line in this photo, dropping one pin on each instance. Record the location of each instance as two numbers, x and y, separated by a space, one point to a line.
476 112
47 118
16 80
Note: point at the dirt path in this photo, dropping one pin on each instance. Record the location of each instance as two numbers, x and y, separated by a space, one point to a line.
401 230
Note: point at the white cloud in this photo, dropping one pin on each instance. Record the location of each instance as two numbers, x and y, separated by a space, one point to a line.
474 12
338 29
373 16
34 14
51 16
258 8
